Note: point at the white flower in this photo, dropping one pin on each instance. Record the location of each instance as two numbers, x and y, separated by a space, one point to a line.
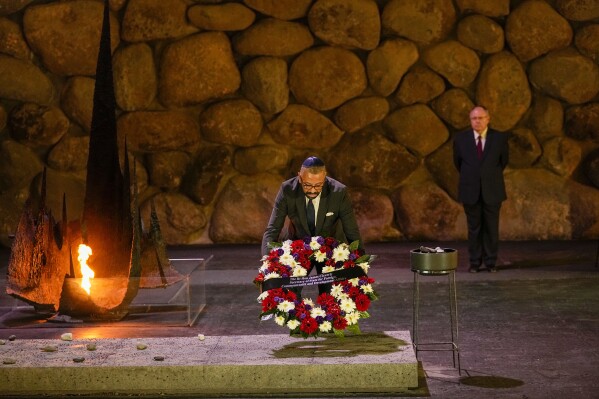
365 266
341 253
315 312
280 320
320 256
366 288
352 318
299 272
285 306
314 245
293 324
347 305
286 246
262 296
325 326
309 302
354 281
272 275
287 259
336 291
328 269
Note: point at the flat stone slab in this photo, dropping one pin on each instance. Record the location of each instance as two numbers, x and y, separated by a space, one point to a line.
216 365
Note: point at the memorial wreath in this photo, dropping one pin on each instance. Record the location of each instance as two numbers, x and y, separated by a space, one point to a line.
345 266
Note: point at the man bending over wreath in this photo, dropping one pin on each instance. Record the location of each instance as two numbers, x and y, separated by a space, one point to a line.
316 205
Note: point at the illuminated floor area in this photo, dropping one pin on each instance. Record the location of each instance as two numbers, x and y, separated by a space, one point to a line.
530 330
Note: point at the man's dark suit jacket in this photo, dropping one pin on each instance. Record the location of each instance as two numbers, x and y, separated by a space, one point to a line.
335 214
481 176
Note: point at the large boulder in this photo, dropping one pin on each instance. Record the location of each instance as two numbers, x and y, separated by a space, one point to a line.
361 112
167 168
454 107
561 155
587 41
77 100
544 206
567 75
481 33
235 122
243 208
534 28
346 23
18 165
420 85
368 159
12 41
489 8
65 35
260 158
37 126
153 131
425 212
524 148
454 61
578 10
135 80
70 154
443 171
326 77
547 117
12 6
146 20
304 127
182 221
274 37
223 17
264 83
388 63
22 81
203 178
582 122
281 9
374 214
423 21
198 68
417 128
503 88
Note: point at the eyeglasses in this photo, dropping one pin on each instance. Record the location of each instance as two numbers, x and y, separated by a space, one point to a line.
309 186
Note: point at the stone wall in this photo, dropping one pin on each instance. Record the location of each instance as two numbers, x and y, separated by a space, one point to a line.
221 100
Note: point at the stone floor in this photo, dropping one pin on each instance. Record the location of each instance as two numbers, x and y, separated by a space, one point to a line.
529 331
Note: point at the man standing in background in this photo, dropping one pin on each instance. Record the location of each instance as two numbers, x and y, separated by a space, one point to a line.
481 154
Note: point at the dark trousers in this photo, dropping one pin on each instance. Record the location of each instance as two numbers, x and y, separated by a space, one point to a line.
321 287
483 233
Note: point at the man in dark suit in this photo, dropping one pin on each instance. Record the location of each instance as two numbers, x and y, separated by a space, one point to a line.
316 205
481 154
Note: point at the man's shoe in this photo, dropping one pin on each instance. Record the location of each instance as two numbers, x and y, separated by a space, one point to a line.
473 269
492 269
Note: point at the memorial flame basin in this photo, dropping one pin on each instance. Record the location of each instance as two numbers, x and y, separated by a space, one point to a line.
434 262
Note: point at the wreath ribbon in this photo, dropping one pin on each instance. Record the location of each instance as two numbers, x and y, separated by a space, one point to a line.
324 278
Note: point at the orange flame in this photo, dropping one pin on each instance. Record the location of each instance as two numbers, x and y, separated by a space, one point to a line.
86 272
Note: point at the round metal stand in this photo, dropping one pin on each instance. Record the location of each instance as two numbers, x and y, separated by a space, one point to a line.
436 264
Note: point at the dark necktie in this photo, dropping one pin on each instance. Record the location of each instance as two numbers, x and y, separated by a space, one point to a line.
479 147
311 215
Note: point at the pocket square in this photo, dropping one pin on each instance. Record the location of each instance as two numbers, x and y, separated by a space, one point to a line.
330 213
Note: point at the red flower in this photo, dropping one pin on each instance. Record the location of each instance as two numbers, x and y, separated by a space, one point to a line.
268 303
354 292
340 323
362 302
309 325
